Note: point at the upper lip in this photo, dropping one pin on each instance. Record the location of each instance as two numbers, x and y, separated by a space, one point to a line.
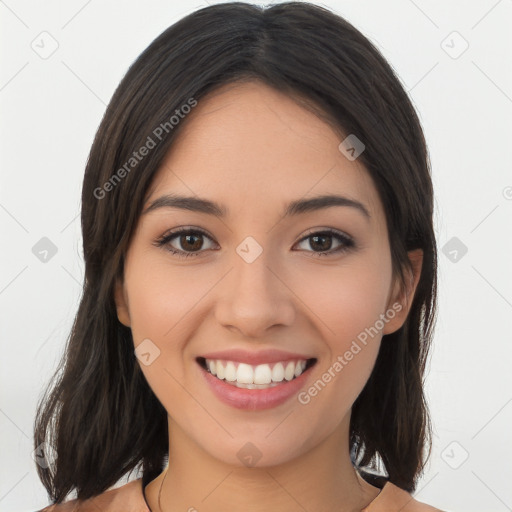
255 358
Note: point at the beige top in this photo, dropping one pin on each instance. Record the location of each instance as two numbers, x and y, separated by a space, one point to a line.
130 498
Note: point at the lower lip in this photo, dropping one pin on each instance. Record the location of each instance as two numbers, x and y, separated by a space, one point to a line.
254 399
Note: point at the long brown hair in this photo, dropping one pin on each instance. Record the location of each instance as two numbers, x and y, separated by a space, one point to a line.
98 415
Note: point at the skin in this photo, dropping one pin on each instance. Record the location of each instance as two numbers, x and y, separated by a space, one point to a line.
241 145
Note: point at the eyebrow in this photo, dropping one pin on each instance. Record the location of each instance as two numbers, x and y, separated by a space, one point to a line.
297 207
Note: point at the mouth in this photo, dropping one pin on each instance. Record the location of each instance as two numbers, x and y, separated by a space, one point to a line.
256 377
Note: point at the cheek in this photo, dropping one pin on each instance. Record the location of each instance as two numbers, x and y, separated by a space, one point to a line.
160 300
158 315
347 301
165 307
161 297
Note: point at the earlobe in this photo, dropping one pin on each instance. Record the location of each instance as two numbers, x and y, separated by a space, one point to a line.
402 296
123 313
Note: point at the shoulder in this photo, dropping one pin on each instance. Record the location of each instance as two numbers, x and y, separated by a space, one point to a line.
418 506
392 498
127 498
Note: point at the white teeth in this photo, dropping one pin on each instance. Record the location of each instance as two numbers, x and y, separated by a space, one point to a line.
278 372
245 374
255 377
290 371
230 373
262 374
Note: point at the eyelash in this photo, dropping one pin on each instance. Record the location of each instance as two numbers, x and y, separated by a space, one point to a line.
347 242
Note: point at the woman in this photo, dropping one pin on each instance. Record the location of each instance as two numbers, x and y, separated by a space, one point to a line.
260 278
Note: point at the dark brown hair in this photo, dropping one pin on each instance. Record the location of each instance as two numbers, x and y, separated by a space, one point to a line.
99 416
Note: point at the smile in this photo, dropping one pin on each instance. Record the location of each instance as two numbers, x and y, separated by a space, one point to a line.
255 386
261 376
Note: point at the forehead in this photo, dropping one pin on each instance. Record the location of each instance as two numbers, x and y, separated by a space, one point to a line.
252 146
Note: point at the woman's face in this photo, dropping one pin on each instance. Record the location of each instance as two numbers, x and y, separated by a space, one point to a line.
257 281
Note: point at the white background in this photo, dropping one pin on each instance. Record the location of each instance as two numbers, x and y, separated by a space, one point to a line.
52 107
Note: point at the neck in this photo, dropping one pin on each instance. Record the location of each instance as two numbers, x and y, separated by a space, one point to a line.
321 479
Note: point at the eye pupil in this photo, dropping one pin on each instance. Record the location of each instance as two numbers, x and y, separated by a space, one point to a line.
195 246
324 247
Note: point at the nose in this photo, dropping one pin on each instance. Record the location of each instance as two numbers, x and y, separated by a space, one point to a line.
254 297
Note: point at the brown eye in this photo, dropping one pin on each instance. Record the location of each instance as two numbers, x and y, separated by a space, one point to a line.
184 242
321 242
191 242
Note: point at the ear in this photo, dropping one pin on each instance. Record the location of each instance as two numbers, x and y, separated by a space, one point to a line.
401 297
123 313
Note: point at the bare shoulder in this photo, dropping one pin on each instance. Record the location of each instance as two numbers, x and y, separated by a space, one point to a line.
61 507
393 498
409 504
418 506
67 506
126 498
